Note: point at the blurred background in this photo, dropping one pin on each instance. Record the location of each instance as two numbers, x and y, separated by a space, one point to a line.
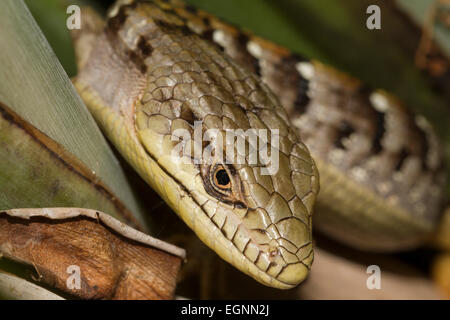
409 57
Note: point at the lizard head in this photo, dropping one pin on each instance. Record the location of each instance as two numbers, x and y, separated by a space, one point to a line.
219 147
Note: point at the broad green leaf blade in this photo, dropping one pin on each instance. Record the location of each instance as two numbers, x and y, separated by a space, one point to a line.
54 30
36 172
35 86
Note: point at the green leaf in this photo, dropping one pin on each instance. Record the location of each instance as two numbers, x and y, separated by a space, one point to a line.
35 86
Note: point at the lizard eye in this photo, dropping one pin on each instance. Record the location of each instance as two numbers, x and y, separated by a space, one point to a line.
221 180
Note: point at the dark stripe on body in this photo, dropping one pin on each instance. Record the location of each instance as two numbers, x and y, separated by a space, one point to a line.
242 41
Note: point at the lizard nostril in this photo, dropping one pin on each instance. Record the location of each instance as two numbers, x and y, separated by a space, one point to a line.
274 252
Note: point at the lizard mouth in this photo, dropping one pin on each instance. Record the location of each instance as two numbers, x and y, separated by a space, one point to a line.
234 231
271 264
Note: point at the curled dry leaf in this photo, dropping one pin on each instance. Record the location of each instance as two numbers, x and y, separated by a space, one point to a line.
110 259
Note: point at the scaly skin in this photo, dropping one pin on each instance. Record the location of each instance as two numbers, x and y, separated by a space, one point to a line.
155 67
381 169
146 76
